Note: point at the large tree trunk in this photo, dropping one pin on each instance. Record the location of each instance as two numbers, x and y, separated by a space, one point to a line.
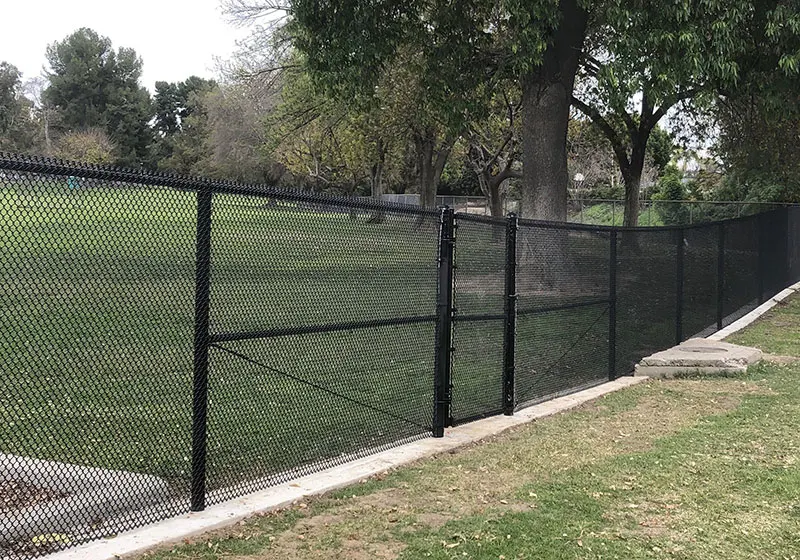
495 200
546 99
431 160
632 184
490 187
632 175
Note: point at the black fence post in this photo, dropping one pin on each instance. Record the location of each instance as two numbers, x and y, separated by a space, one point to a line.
679 287
509 333
201 342
612 307
720 275
761 257
444 323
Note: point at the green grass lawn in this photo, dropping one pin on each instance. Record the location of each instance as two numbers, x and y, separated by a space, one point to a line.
690 469
607 214
97 303
662 213
776 332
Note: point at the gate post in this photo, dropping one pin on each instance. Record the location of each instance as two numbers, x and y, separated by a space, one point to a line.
444 323
201 344
509 332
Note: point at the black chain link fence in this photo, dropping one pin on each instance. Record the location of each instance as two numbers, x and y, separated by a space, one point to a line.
170 343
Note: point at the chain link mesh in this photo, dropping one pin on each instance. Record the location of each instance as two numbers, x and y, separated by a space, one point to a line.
562 309
478 325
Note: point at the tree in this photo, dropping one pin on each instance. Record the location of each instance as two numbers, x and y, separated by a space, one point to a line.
17 127
174 104
325 142
494 149
45 115
671 189
188 148
759 141
466 50
93 86
372 145
592 159
645 58
237 133
460 52
757 120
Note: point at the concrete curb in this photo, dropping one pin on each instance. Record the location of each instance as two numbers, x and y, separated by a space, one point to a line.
227 513
742 322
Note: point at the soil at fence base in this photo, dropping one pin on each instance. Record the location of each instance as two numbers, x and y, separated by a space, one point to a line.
17 495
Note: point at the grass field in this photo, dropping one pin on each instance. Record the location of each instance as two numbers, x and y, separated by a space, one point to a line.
663 213
606 214
97 304
776 332
694 468
97 301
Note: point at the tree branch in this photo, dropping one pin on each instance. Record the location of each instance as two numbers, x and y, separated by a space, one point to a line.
604 126
669 102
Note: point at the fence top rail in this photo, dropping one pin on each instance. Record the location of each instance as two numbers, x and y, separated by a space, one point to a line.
52 166
719 202
524 222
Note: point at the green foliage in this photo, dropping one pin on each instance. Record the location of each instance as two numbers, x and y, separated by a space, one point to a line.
759 136
667 53
759 185
328 143
18 131
660 148
671 188
179 137
670 185
462 48
236 114
93 86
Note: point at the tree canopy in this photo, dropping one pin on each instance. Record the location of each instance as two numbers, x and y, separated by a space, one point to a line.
94 86
18 130
636 61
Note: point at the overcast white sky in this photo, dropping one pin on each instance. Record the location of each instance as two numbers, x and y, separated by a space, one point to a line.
174 38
